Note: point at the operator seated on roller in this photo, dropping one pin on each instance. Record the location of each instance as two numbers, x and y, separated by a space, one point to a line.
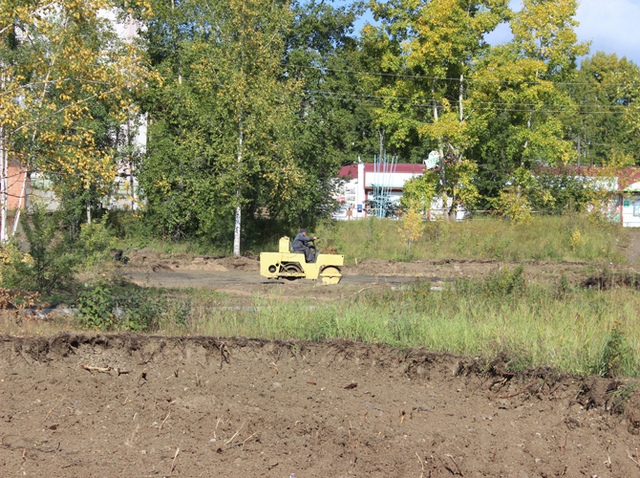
301 244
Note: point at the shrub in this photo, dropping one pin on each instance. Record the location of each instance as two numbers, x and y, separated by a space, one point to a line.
499 283
94 243
96 306
110 304
49 264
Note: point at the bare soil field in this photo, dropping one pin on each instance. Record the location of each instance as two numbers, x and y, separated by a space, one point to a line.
148 406
129 405
239 276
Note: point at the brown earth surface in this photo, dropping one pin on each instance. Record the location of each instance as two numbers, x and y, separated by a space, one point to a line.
132 405
129 405
240 276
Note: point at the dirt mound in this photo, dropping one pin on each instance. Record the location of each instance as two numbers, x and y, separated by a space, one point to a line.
149 260
129 405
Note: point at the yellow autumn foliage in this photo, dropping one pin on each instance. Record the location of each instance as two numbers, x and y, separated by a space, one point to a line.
411 226
67 71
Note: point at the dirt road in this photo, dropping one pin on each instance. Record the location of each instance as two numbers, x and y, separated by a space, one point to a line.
241 275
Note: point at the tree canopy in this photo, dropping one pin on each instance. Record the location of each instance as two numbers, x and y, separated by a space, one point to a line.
67 78
252 106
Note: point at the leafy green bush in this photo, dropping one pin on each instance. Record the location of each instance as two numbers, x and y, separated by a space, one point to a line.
96 306
114 305
54 256
51 263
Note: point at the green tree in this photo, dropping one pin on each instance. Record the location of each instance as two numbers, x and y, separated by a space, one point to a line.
419 192
429 48
604 127
518 97
334 122
223 118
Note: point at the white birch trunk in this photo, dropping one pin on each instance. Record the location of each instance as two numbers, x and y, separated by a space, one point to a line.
4 158
461 97
130 149
3 186
238 221
443 174
237 228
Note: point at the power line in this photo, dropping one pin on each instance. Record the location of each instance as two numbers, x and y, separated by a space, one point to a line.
483 105
464 80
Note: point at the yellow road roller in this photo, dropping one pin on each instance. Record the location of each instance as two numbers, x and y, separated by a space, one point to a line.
286 264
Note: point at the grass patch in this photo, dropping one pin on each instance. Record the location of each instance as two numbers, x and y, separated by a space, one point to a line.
557 238
582 332
571 328
574 330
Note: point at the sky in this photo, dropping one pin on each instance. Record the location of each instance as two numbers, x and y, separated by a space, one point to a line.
612 26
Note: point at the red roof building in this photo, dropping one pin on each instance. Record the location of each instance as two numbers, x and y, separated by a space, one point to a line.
360 181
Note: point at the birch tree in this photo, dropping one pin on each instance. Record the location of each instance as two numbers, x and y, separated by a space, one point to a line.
223 120
605 126
519 99
61 63
429 48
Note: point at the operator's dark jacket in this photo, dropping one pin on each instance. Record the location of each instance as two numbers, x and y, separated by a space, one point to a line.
300 242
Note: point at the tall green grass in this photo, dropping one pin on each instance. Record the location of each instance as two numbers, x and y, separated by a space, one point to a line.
577 331
547 238
571 237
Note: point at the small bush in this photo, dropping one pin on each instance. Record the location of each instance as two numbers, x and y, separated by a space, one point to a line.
94 243
50 264
96 306
110 304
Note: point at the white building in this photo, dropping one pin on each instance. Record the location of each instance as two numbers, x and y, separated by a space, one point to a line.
360 181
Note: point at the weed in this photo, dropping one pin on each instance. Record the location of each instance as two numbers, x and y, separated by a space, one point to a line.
577 240
96 305
506 281
613 354
620 397
563 288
